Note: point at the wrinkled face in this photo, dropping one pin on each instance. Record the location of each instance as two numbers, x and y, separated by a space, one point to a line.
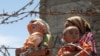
71 34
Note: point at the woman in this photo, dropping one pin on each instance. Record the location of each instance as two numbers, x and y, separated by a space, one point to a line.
37 25
71 36
84 28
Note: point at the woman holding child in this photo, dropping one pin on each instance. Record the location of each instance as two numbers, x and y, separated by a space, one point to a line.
85 31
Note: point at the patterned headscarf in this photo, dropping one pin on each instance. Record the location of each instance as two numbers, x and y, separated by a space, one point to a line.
78 21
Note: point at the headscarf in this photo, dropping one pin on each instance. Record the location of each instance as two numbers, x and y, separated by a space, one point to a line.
80 22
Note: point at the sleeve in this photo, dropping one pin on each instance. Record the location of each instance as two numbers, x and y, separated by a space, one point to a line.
86 51
65 51
88 37
60 52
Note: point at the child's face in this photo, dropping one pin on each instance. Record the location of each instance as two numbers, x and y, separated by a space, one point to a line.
71 34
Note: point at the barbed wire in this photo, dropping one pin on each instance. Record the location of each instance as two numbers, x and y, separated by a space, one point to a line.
15 14
88 12
4 51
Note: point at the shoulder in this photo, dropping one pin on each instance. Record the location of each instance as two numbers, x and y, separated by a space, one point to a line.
89 34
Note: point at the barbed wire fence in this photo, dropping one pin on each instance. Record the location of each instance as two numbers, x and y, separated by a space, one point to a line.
4 50
88 12
5 16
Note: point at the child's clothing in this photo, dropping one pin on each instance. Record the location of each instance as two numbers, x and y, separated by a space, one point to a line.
33 40
81 52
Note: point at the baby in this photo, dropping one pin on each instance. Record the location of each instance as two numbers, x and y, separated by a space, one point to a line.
73 47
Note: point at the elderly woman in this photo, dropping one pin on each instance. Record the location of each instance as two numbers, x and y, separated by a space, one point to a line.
85 30
34 46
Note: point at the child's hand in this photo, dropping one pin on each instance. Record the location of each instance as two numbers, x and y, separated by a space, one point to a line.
66 53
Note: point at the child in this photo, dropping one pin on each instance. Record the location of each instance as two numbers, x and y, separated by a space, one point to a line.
71 36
